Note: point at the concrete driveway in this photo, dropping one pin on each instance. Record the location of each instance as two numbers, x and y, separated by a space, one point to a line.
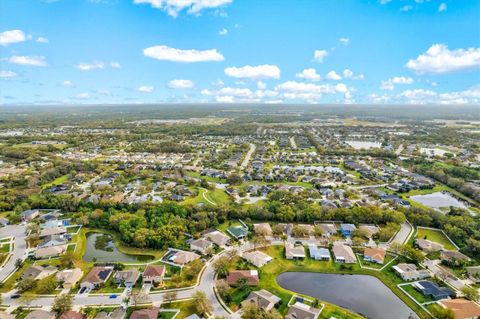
19 249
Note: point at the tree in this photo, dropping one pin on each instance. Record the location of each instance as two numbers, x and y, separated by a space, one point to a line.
470 293
47 286
170 296
202 304
221 265
234 179
18 263
443 313
62 303
67 260
26 285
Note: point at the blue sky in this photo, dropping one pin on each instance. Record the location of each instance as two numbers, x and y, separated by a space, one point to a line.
289 51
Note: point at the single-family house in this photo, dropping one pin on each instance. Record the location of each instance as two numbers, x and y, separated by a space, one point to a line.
52 240
52 231
451 255
410 272
374 255
263 229
250 276
318 253
462 308
238 232
427 245
474 273
347 229
183 257
153 274
127 278
343 254
302 311
48 252
431 289
369 230
117 313
29 215
71 315
218 238
37 272
327 229
201 245
294 251
149 313
40 314
69 277
96 277
257 258
263 299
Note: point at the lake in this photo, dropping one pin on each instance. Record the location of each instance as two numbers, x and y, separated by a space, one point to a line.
110 252
438 200
362 294
358 145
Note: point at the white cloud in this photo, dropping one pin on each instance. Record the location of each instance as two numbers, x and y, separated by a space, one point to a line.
345 41
348 74
265 71
174 7
309 74
319 55
115 65
439 59
42 40
5 74
374 98
67 83
390 83
261 85
83 96
12 36
163 52
332 75
145 89
223 32
28 60
406 8
232 94
442 7
180 84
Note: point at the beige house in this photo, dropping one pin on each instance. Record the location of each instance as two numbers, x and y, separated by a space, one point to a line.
201 245
36 272
69 277
343 254
257 258
153 274
302 311
184 257
40 314
294 251
262 299
48 252
218 238
53 231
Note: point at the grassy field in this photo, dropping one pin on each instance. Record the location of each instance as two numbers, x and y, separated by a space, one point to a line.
435 236
57 181
186 308
269 273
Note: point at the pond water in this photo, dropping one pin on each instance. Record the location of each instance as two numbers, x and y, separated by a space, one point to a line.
438 200
358 145
362 294
108 252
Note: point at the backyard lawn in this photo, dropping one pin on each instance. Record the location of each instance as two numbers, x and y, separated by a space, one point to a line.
435 236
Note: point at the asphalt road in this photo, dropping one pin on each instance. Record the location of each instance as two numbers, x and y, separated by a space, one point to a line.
20 248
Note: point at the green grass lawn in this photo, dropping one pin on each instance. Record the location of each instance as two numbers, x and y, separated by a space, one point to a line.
5 248
186 308
10 283
269 273
56 181
435 236
73 230
418 296
166 315
388 258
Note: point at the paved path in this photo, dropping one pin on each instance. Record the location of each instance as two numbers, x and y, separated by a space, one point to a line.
19 248
246 160
399 150
403 234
